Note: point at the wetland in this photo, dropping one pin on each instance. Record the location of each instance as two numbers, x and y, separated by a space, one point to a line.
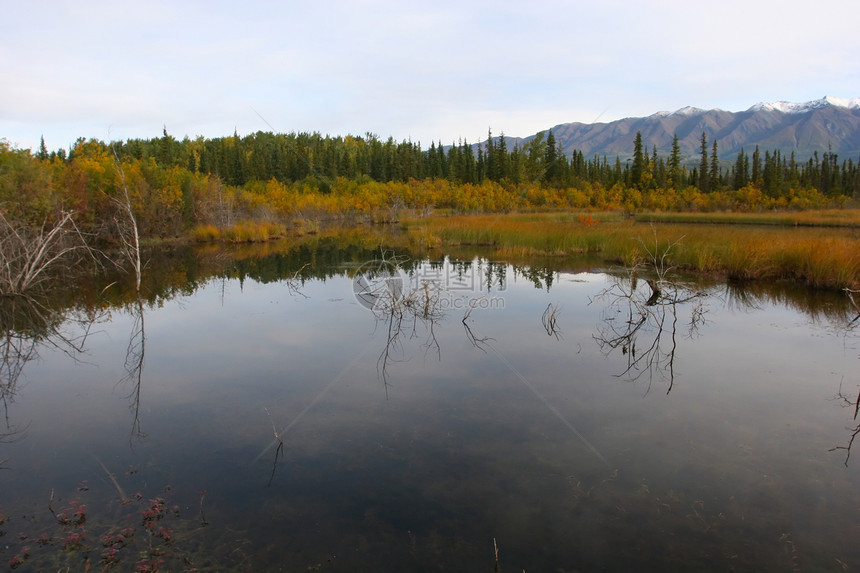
348 402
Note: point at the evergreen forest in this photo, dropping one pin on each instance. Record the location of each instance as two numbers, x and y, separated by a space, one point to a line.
194 186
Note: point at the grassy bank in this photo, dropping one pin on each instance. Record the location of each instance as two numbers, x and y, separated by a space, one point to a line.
818 218
817 252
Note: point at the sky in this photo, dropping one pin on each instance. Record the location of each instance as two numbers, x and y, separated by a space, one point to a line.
436 70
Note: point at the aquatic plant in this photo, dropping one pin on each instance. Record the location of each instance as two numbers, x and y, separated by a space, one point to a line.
150 542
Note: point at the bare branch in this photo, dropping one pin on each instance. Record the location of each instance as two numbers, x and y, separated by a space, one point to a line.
646 332
28 258
549 319
128 232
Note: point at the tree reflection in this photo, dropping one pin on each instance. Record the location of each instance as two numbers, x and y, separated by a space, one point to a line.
481 343
855 431
28 324
854 304
643 322
845 400
409 302
407 315
549 319
135 355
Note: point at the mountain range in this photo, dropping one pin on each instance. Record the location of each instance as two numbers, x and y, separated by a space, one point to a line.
829 123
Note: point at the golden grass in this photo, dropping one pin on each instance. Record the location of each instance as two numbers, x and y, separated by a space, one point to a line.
241 232
205 233
815 252
812 218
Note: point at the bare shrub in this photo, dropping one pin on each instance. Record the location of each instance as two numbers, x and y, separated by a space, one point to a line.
31 257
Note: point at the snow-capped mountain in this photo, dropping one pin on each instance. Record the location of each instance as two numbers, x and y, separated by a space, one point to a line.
826 124
791 107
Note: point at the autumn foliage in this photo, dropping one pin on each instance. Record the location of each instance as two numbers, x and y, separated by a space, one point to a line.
207 188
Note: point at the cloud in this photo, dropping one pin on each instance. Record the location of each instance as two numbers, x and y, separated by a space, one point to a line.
429 71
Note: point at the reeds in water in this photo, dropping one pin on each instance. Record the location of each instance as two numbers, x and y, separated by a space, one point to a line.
824 256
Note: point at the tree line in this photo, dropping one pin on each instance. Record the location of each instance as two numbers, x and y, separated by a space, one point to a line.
175 185
292 157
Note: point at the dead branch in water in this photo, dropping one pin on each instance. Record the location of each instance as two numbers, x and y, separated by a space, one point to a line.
851 294
127 229
549 319
115 483
658 260
479 343
645 325
277 451
854 431
28 258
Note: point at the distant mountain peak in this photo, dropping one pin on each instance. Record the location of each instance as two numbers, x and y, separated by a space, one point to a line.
792 128
684 111
791 107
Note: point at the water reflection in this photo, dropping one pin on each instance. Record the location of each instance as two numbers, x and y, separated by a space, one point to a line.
135 356
820 306
27 325
854 305
413 308
854 404
408 299
845 400
642 321
511 428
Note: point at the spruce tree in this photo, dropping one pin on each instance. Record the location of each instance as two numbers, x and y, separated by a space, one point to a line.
535 166
43 150
501 159
638 162
551 159
704 175
433 167
714 182
490 156
741 171
675 163
756 167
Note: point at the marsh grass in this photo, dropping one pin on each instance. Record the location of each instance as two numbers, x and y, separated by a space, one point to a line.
815 253
817 218
205 233
241 232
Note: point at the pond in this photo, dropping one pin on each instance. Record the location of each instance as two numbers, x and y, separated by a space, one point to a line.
351 409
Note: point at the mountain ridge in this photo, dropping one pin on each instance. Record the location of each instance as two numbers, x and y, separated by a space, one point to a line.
817 126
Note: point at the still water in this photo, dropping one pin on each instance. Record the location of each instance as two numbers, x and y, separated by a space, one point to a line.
433 416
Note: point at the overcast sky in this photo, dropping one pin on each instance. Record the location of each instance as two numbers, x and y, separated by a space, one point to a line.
435 70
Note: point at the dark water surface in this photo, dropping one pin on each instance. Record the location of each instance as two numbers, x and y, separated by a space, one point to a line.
413 439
